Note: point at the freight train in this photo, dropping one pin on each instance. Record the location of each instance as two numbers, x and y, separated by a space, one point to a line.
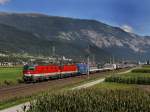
46 72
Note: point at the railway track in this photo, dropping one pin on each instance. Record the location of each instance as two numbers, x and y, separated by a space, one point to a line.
31 88
26 86
14 87
22 86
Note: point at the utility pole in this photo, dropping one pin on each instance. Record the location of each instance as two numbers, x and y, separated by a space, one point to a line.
88 61
122 60
93 59
53 51
113 60
53 54
110 60
114 65
140 56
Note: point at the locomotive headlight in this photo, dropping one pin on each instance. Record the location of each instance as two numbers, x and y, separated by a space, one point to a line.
27 74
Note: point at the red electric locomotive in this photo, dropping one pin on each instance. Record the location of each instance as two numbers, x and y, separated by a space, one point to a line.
68 70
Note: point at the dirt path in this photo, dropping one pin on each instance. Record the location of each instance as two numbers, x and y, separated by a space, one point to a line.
128 71
89 84
17 108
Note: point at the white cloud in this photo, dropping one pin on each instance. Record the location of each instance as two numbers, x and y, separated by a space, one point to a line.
3 2
127 28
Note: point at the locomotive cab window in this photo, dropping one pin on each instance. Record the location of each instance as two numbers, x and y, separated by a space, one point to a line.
26 67
31 68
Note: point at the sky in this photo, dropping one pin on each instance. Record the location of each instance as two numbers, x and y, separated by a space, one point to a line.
131 15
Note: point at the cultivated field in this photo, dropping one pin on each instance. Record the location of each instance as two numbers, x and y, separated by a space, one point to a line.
105 97
91 100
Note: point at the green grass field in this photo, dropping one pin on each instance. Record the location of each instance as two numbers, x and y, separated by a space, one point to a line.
141 70
10 74
113 86
146 66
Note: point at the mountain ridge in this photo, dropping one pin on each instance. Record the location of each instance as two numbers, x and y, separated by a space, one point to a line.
80 33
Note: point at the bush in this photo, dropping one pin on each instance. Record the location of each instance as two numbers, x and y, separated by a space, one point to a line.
93 100
20 81
129 80
8 82
143 70
146 66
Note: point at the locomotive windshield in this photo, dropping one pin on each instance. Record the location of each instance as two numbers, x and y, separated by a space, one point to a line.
27 67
